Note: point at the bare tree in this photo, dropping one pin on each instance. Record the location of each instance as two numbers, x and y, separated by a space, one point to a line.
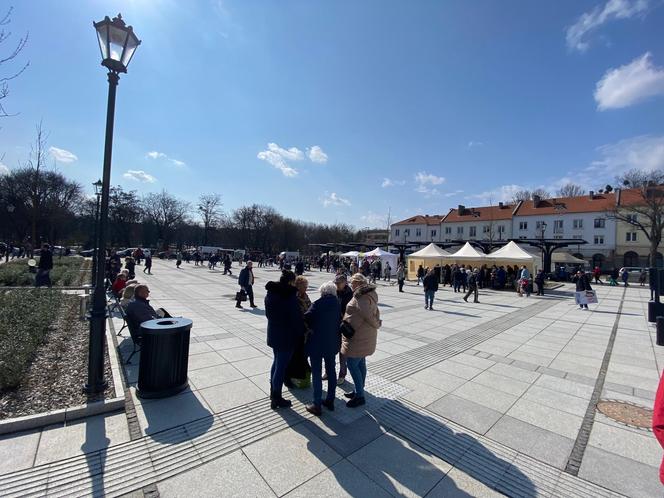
209 207
642 206
18 48
166 212
571 190
521 195
543 194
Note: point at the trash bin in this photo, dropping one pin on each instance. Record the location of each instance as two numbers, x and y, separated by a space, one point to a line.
164 357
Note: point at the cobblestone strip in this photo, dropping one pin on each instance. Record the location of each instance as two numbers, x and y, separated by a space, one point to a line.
404 364
576 456
493 464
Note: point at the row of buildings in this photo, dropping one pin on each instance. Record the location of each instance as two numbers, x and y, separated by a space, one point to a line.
610 242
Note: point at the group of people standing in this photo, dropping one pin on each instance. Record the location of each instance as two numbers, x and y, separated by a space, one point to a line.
343 321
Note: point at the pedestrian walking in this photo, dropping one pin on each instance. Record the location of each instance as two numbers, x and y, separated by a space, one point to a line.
44 267
246 282
285 329
625 277
582 284
178 259
539 280
420 274
363 317
430 284
148 264
401 276
597 273
473 277
323 344
642 277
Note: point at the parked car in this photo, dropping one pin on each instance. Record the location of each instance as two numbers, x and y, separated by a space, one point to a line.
162 255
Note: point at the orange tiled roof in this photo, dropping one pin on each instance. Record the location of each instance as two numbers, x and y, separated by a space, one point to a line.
485 213
422 220
580 204
633 197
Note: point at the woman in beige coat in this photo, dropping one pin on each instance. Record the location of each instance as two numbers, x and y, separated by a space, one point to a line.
364 317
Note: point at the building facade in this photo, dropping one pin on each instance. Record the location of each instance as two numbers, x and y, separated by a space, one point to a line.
492 223
420 228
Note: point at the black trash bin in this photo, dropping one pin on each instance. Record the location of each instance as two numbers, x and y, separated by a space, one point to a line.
164 357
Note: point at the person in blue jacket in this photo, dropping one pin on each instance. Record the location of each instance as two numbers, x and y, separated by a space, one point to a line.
285 329
323 343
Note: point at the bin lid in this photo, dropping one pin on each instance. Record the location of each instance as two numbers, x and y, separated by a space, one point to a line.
166 324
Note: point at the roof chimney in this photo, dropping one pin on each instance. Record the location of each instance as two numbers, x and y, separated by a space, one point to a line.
591 194
462 209
536 200
500 205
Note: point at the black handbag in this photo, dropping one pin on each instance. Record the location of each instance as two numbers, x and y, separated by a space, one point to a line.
347 330
241 296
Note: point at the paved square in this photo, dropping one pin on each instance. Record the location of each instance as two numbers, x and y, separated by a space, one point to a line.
469 399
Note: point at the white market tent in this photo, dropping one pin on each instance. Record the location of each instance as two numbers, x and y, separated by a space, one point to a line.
384 256
511 254
350 254
431 255
467 254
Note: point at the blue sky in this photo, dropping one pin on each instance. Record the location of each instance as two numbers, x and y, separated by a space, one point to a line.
339 111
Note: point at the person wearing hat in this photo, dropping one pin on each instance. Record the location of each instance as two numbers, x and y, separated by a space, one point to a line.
473 276
363 316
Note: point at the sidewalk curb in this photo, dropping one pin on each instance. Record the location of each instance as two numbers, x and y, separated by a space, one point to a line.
72 413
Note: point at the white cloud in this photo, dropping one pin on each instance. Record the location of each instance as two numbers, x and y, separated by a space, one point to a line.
316 155
589 21
472 144
424 183
504 193
630 84
453 194
4 170
392 183
139 176
334 200
160 155
644 152
278 157
372 219
62 155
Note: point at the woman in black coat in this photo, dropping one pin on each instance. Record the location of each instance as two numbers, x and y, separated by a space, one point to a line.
582 284
285 329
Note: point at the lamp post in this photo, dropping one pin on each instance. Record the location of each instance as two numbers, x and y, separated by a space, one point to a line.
98 188
117 43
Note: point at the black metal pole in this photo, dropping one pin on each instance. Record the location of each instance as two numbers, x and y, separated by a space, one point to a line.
96 382
95 243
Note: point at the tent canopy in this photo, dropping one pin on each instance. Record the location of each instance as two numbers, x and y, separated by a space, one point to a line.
565 257
511 252
384 256
378 252
432 251
467 252
350 254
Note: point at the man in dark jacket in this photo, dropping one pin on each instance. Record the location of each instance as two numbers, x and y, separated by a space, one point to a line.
138 311
582 284
285 329
473 277
430 284
246 282
344 295
323 343
539 280
45 266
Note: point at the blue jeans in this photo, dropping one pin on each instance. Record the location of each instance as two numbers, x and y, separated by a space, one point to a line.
428 298
317 377
278 371
358 371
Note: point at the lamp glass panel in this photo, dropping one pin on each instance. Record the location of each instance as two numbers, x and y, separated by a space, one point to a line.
102 37
117 37
132 43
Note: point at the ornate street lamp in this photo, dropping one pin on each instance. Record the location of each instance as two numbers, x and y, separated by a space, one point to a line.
117 43
98 189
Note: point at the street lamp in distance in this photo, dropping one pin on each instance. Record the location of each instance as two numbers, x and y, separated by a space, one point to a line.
98 188
117 43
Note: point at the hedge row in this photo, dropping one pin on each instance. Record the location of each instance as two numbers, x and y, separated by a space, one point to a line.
66 271
25 318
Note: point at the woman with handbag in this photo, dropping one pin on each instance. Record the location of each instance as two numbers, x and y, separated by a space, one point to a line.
323 343
359 334
285 329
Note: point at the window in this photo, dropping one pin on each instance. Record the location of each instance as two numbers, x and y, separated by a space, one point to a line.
459 230
396 232
407 232
433 233
577 224
523 225
600 222
538 225
418 232
631 218
558 226
473 231
501 229
448 230
630 237
486 229
599 240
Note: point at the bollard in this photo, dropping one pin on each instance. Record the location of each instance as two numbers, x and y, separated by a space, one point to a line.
660 330
655 310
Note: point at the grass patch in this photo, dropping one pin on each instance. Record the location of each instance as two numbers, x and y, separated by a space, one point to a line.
66 272
25 318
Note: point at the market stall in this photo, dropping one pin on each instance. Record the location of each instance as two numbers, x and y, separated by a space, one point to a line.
430 256
467 255
513 254
383 256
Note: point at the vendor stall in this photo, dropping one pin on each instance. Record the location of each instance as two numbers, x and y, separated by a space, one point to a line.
513 254
430 256
384 256
467 255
